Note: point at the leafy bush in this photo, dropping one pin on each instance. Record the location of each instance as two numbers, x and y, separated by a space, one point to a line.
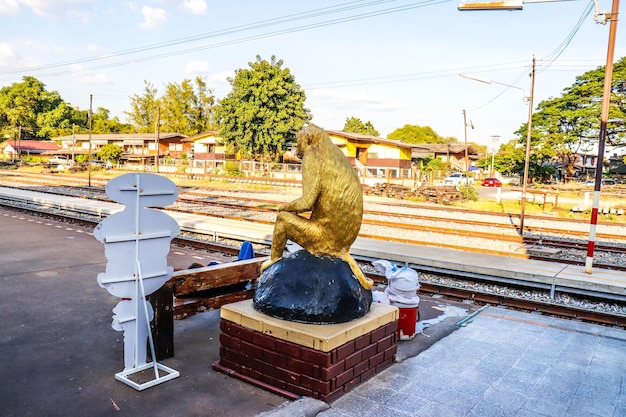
469 192
232 169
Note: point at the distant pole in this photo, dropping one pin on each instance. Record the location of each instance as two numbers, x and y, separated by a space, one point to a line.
157 129
19 139
89 155
604 117
73 142
494 139
466 156
528 136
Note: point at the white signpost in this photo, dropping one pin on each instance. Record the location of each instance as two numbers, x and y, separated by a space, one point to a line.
137 241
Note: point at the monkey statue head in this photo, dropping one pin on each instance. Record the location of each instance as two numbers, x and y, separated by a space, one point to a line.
308 137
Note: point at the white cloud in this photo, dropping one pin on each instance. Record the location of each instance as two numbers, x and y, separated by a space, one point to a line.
359 99
219 82
9 7
331 108
10 59
6 53
85 76
197 67
195 6
152 18
80 9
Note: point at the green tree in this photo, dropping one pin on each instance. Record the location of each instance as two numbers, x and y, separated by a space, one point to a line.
102 123
28 107
568 124
61 120
21 103
419 134
263 111
355 125
143 109
110 152
187 108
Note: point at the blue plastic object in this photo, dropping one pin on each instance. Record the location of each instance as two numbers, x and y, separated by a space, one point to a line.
246 251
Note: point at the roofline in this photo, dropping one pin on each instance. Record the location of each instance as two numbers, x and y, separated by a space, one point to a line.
357 137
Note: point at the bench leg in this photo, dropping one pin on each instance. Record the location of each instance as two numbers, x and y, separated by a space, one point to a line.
162 325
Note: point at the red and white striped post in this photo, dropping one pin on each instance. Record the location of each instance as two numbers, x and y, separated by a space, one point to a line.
604 117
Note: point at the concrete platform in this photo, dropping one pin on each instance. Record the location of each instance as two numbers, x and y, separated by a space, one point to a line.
59 354
502 363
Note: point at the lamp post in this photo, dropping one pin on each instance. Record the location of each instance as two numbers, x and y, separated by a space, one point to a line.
528 134
494 139
465 124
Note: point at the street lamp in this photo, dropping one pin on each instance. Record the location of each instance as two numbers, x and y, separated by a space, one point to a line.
528 134
494 148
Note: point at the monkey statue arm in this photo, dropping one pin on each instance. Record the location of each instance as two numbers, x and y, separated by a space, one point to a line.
311 188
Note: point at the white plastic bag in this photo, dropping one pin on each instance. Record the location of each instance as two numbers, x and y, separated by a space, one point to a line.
403 282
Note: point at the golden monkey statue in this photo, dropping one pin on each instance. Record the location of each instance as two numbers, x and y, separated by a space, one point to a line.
331 191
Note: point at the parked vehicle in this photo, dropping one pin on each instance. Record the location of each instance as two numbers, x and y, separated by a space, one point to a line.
60 162
491 182
458 178
95 163
604 181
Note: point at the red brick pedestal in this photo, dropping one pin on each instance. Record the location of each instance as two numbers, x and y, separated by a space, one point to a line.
294 359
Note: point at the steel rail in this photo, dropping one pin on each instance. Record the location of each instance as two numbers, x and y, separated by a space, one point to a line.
429 288
526 241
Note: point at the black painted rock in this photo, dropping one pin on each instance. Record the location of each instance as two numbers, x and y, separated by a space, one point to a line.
311 289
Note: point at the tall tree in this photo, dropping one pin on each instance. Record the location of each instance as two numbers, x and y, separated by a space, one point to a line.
61 120
263 111
355 125
102 123
143 109
566 125
419 134
187 108
21 103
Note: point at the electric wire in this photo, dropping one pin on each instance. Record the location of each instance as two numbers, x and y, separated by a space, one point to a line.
242 28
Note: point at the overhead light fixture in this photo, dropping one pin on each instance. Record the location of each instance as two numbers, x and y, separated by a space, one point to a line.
491 5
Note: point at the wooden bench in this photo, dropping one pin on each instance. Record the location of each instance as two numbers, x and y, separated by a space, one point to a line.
545 194
191 291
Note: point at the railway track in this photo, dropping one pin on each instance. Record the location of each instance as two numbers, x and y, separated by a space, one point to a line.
482 233
433 288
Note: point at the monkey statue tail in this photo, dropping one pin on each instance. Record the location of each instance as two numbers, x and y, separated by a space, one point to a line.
366 283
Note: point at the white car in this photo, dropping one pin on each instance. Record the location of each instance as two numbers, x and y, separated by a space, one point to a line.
61 162
458 178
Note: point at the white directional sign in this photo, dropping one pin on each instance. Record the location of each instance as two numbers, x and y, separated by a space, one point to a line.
137 241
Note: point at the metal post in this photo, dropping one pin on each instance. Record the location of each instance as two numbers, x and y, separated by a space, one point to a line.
156 139
73 142
466 156
528 136
604 116
89 154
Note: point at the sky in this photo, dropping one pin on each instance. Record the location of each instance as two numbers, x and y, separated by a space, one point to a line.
389 62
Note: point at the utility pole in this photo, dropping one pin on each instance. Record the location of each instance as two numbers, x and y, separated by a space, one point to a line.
604 119
73 142
528 136
157 129
89 156
466 156
19 138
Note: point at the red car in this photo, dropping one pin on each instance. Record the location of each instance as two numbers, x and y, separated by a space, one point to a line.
491 182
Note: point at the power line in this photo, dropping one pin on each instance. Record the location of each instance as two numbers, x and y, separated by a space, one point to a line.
242 28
